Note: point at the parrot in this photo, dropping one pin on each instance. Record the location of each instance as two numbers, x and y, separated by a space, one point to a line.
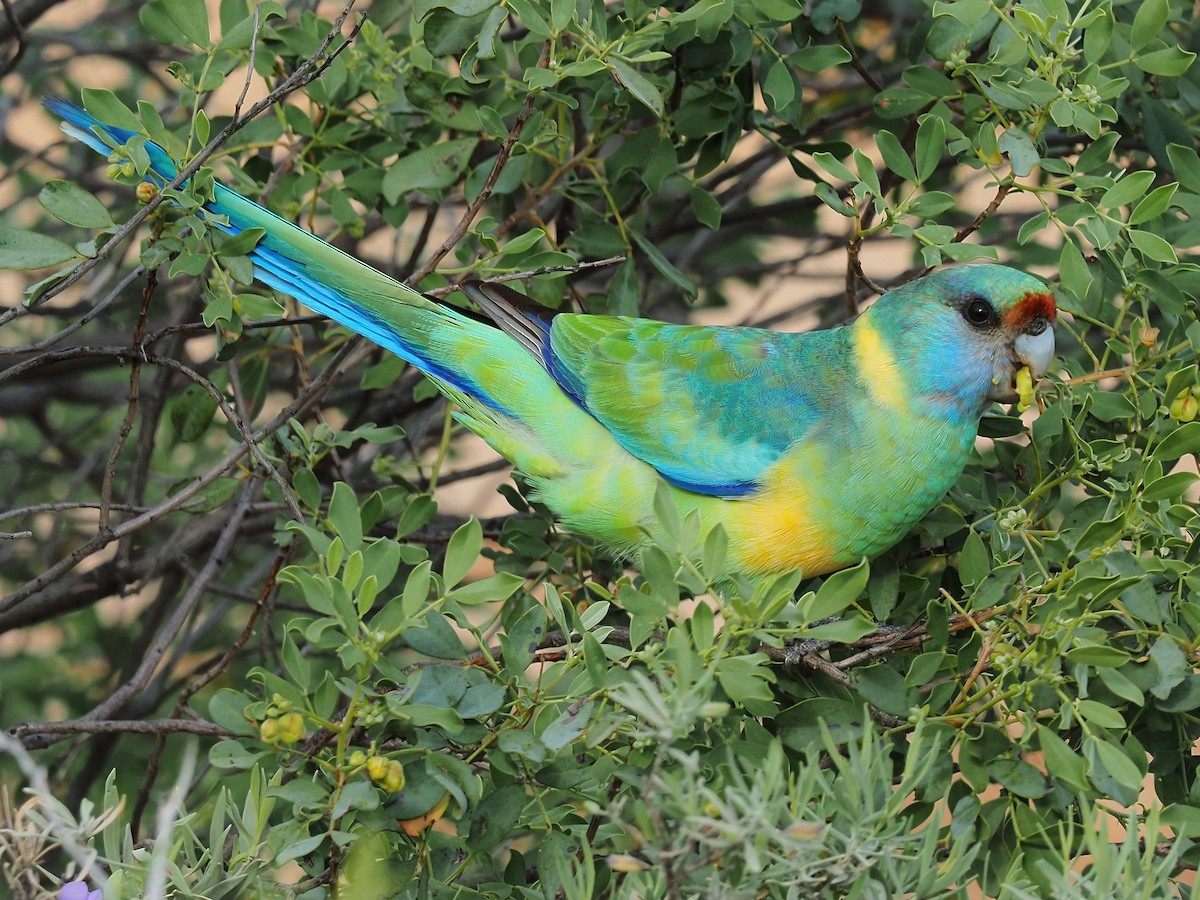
810 450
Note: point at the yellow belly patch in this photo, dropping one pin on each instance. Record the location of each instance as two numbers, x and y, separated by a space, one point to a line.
783 528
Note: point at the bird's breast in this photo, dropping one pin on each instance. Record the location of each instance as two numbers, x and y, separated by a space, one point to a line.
848 493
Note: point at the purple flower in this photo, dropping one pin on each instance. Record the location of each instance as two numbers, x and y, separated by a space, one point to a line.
78 890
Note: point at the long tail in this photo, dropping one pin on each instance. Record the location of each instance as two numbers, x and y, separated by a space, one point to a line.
325 279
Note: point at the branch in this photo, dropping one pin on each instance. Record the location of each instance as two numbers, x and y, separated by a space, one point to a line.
20 15
306 72
118 726
485 192
174 625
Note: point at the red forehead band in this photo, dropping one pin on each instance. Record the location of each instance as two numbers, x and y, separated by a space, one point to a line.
1031 306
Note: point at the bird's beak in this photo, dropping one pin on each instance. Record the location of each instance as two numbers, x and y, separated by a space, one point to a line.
1029 349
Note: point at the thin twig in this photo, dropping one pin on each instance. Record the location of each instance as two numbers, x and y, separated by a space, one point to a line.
308 70
18 33
174 624
119 726
855 61
468 216
202 681
345 359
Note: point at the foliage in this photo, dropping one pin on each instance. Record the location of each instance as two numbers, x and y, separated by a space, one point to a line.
218 511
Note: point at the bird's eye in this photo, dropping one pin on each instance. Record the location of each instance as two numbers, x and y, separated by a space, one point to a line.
978 312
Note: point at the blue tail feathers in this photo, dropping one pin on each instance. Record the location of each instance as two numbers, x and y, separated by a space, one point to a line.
299 264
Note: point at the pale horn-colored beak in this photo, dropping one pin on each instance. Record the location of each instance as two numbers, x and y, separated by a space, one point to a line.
1034 349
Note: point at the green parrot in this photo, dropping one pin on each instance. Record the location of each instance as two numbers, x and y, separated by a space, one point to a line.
811 450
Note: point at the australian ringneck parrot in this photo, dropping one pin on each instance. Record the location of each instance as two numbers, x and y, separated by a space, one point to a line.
810 450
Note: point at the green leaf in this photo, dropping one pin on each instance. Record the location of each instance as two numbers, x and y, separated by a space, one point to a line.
930 146
837 592
463 550
191 18
430 169
523 242
1183 440
191 412
1153 247
778 85
664 265
745 679
895 157
494 820
493 589
800 727
1064 763
1150 19
1171 62
227 709
834 167
1169 487
1098 714
825 14
570 726
241 243
1020 150
1128 190
232 755
898 102
884 689
841 631
638 84
73 205
1074 273
105 106
1185 165
481 700
1097 655
968 12
866 171
435 638
831 199
975 563
27 250
345 516
820 57
448 32
1019 777
1171 664
706 207
1153 204
1112 771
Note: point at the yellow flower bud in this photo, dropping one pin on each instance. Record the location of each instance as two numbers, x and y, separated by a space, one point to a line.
393 778
387 773
1185 407
1024 389
269 730
146 192
377 767
291 728
357 758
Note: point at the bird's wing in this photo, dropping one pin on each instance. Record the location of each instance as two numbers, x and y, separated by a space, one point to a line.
710 408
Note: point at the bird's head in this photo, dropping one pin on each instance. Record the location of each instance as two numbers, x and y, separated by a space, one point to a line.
964 333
